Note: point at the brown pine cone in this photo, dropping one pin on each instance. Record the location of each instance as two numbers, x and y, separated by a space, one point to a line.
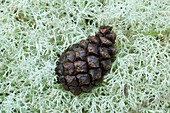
83 65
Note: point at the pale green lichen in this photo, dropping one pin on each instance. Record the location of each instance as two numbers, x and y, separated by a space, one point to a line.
34 33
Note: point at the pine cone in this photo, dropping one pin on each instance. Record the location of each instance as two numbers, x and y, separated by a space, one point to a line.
83 65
